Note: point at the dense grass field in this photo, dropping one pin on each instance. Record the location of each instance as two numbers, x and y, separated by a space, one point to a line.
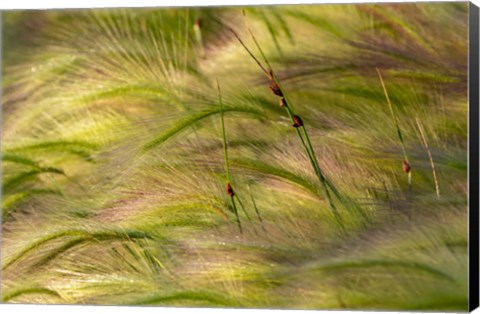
147 161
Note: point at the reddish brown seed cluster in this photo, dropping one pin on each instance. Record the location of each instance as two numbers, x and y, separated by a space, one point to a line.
230 190
406 166
283 102
199 22
275 88
298 121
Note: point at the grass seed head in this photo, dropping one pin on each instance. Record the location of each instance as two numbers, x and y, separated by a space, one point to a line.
406 166
298 121
275 88
283 102
230 190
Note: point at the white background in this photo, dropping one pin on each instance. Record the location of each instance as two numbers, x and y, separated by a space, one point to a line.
61 309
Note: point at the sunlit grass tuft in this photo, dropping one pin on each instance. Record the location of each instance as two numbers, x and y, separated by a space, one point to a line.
117 156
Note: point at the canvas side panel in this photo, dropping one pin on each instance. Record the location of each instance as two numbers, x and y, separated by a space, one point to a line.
474 156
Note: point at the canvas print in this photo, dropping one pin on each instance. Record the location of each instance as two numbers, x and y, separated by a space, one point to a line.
290 156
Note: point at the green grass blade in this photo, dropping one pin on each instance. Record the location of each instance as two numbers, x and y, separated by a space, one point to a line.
138 91
193 120
362 265
6 297
23 177
257 211
270 170
210 298
237 217
80 148
19 160
224 135
94 235
243 207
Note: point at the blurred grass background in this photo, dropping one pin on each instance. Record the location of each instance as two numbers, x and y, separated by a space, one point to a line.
113 166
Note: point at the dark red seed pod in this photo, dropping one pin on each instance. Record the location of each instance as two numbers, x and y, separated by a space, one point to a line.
230 190
298 121
275 88
199 22
406 166
283 102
